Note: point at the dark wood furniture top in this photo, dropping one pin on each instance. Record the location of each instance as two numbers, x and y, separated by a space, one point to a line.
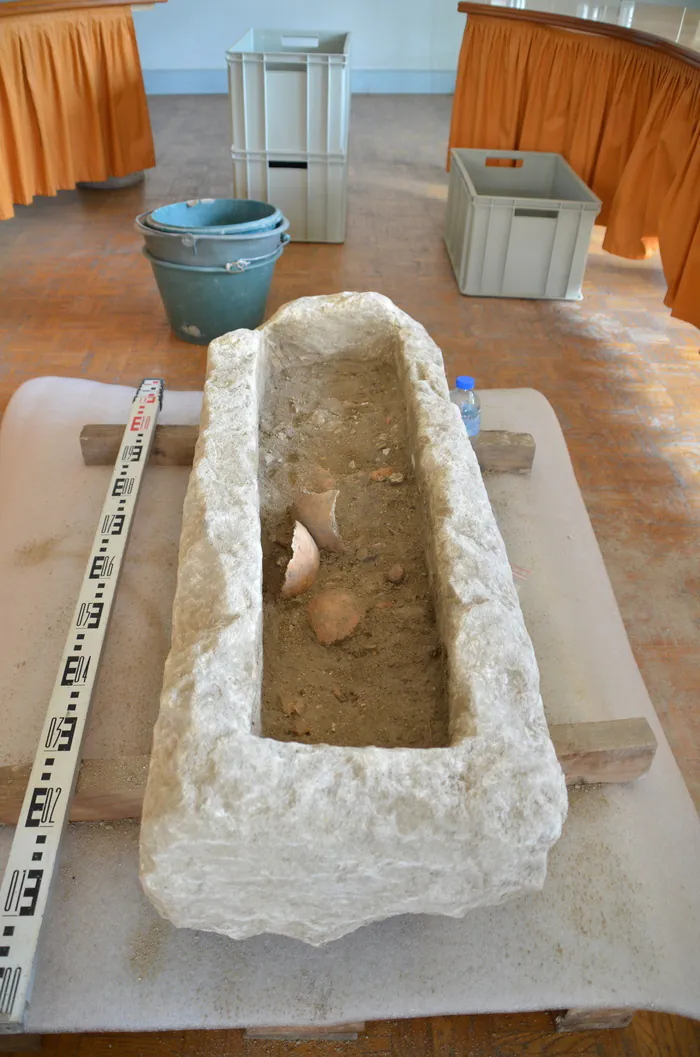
584 25
45 7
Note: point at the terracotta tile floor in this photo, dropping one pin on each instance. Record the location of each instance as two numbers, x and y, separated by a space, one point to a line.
78 299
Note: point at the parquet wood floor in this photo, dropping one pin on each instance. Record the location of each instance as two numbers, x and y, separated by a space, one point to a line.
77 298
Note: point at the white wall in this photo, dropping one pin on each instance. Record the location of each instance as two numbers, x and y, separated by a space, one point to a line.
397 45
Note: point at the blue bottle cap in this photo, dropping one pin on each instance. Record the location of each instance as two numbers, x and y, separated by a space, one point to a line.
464 382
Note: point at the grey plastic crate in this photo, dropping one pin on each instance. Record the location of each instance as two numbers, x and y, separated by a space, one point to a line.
519 230
310 189
289 90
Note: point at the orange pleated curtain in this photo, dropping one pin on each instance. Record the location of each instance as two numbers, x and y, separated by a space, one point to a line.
72 102
626 117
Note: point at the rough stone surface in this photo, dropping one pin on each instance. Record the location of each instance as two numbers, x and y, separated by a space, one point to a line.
245 835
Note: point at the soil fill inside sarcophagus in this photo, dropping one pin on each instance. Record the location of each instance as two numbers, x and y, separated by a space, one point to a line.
341 425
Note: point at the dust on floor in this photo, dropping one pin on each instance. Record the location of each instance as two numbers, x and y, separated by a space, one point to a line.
329 426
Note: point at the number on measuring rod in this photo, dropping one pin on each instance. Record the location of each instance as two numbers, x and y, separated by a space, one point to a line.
33 855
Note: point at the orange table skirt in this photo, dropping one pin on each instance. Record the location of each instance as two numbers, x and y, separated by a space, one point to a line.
627 119
72 102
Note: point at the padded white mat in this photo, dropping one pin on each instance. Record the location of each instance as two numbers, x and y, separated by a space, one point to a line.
618 923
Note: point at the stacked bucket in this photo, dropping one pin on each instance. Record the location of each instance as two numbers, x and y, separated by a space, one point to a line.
213 260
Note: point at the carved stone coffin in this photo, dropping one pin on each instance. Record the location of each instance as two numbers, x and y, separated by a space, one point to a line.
243 834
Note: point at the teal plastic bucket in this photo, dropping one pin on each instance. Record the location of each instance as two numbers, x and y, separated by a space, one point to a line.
215 216
203 303
204 251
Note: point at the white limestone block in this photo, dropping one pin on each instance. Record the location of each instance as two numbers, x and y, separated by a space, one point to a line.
245 835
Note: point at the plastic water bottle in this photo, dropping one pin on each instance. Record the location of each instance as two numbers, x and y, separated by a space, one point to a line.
466 399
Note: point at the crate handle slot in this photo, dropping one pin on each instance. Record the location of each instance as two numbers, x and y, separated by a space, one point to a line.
504 163
285 66
543 214
288 165
300 42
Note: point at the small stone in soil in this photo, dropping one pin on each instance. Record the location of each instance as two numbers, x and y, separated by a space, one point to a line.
334 614
396 574
396 478
382 474
321 478
412 612
338 693
290 705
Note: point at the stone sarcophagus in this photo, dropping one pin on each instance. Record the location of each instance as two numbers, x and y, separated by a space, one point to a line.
304 822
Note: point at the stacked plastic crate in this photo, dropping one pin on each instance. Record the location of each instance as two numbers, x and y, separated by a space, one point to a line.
289 95
518 224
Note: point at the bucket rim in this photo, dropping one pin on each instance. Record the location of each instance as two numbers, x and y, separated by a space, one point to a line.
221 229
223 269
215 236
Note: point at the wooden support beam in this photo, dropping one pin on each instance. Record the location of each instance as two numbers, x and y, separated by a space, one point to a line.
593 1019
107 790
328 1032
500 451
20 1043
614 750
497 450
617 750
172 445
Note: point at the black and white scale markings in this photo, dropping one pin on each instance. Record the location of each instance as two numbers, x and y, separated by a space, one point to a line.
33 855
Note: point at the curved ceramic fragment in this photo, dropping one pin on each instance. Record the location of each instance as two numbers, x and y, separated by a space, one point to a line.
316 511
302 568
